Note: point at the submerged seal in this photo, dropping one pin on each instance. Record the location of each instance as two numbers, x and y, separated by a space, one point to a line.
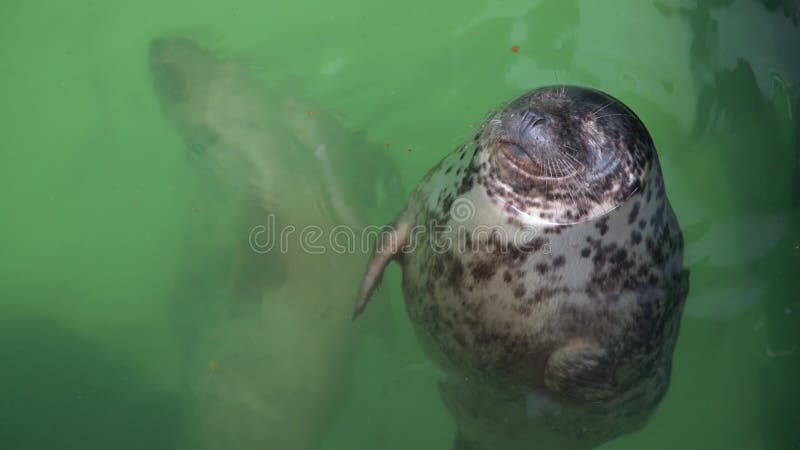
543 271
264 320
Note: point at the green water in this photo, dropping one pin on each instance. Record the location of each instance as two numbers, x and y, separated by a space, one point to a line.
96 194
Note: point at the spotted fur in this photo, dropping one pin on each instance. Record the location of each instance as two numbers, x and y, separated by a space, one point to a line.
564 337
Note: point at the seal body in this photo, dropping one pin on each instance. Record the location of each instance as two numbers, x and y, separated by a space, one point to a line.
263 314
542 270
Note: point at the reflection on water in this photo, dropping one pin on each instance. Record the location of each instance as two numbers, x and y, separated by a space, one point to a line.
747 108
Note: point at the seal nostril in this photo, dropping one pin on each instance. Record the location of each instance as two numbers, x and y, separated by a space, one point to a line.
531 119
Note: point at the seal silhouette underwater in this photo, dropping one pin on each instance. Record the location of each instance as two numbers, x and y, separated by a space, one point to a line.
265 332
543 271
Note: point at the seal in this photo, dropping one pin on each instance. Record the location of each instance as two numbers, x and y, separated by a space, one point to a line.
543 271
261 307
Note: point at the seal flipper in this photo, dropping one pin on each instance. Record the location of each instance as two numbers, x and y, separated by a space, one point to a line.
581 371
389 245
255 267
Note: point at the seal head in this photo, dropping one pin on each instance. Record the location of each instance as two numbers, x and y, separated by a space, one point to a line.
177 64
566 153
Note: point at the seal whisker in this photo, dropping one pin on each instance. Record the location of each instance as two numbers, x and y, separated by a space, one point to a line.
567 164
612 115
586 187
563 164
559 163
594 113
577 188
552 174
568 155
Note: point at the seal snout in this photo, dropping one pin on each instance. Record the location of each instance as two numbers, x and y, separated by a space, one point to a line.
167 49
162 53
529 131
157 48
525 141
532 130
175 63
